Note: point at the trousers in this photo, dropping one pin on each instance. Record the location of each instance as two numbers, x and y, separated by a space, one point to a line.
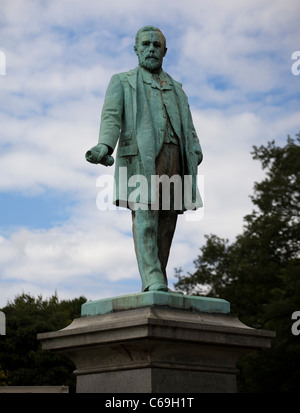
153 230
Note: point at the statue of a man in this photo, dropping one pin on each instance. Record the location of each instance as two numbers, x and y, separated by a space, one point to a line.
147 113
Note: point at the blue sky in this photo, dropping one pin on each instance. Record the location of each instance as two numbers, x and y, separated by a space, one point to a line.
234 60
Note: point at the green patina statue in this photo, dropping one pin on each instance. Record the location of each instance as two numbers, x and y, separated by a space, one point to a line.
147 113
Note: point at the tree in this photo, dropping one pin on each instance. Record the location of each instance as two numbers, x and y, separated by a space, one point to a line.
22 361
259 273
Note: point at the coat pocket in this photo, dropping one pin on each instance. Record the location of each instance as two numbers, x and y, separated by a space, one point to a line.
129 150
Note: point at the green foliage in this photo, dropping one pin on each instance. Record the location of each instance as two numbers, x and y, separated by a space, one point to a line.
22 361
259 273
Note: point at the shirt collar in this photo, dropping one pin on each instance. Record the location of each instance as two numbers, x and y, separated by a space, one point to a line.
160 81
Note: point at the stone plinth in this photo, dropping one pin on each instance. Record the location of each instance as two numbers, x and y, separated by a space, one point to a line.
156 349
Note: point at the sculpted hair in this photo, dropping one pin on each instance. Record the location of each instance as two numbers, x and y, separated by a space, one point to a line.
150 29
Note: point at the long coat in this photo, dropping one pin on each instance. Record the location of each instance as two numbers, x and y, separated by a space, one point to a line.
126 118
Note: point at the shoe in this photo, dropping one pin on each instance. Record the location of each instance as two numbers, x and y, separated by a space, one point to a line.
157 287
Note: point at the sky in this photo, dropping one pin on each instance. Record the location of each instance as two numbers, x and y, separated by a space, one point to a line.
234 59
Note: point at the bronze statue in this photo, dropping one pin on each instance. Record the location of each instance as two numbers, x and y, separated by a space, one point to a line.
147 113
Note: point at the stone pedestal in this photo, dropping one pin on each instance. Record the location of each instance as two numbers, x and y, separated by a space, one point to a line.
155 348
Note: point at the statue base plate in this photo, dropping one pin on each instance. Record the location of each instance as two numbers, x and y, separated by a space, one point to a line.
155 298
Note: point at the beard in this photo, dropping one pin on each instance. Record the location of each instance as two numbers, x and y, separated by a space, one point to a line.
151 64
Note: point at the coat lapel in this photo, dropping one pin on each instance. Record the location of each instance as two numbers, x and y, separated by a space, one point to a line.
132 80
143 127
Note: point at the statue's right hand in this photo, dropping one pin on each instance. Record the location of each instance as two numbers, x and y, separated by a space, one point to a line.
99 154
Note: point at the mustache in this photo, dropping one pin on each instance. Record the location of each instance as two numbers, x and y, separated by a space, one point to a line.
150 56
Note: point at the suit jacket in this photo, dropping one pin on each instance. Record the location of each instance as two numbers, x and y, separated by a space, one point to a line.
126 119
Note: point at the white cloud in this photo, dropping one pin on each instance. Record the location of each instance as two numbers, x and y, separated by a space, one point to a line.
62 258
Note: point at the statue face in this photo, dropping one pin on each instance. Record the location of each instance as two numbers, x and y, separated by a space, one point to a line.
150 50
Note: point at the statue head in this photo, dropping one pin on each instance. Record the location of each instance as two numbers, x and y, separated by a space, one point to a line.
150 47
